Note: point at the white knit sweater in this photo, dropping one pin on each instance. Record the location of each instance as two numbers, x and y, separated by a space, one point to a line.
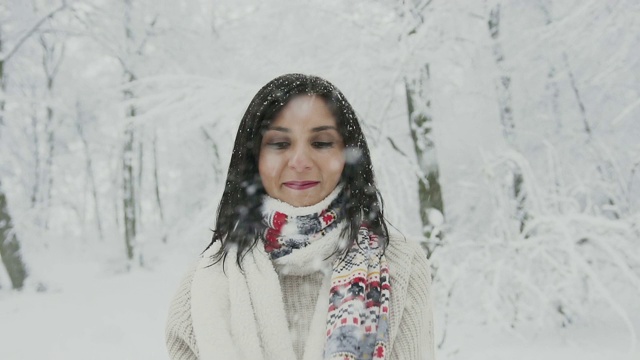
411 320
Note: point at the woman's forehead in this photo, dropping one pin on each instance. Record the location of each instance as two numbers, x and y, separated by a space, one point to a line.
308 112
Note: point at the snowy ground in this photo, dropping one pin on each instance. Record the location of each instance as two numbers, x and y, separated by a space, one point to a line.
606 341
98 314
109 317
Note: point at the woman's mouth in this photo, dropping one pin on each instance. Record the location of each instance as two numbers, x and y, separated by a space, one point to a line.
301 185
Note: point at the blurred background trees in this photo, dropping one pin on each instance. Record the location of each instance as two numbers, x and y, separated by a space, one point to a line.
504 134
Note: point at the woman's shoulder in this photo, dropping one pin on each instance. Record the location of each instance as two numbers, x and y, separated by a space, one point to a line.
204 262
407 259
200 272
404 248
181 301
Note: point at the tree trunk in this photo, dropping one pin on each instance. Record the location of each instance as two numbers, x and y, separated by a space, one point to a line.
130 205
10 246
35 190
52 57
10 255
503 90
429 190
156 179
138 189
503 82
89 169
128 186
552 76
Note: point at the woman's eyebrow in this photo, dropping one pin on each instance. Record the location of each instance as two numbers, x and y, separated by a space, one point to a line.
279 128
315 129
323 128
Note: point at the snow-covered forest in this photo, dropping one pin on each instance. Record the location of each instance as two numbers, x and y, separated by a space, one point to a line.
504 135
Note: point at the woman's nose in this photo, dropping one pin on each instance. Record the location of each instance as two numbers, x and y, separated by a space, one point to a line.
300 159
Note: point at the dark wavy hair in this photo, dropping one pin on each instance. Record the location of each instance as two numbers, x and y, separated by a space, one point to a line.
239 219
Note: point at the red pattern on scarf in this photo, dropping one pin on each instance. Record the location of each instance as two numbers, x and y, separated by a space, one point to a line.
273 232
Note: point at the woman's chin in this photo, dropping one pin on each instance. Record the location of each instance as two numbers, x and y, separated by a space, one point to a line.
302 198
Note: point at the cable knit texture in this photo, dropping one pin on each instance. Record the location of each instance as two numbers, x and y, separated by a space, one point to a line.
410 320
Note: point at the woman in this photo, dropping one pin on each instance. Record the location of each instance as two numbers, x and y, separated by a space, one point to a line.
302 264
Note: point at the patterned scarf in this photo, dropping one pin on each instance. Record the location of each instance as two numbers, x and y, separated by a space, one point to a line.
358 309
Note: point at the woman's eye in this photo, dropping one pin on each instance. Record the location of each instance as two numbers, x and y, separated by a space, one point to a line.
279 144
322 144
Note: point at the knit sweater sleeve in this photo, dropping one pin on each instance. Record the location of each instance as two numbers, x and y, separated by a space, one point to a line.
414 339
179 336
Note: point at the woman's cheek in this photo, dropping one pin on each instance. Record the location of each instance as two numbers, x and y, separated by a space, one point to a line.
269 166
336 164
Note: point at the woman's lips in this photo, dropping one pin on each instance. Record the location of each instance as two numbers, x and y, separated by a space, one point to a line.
301 185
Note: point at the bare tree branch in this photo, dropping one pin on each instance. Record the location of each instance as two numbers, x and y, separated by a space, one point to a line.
32 30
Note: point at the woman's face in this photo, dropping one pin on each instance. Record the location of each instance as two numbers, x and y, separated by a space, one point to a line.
301 155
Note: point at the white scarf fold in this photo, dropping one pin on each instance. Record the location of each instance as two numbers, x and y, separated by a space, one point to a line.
254 325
